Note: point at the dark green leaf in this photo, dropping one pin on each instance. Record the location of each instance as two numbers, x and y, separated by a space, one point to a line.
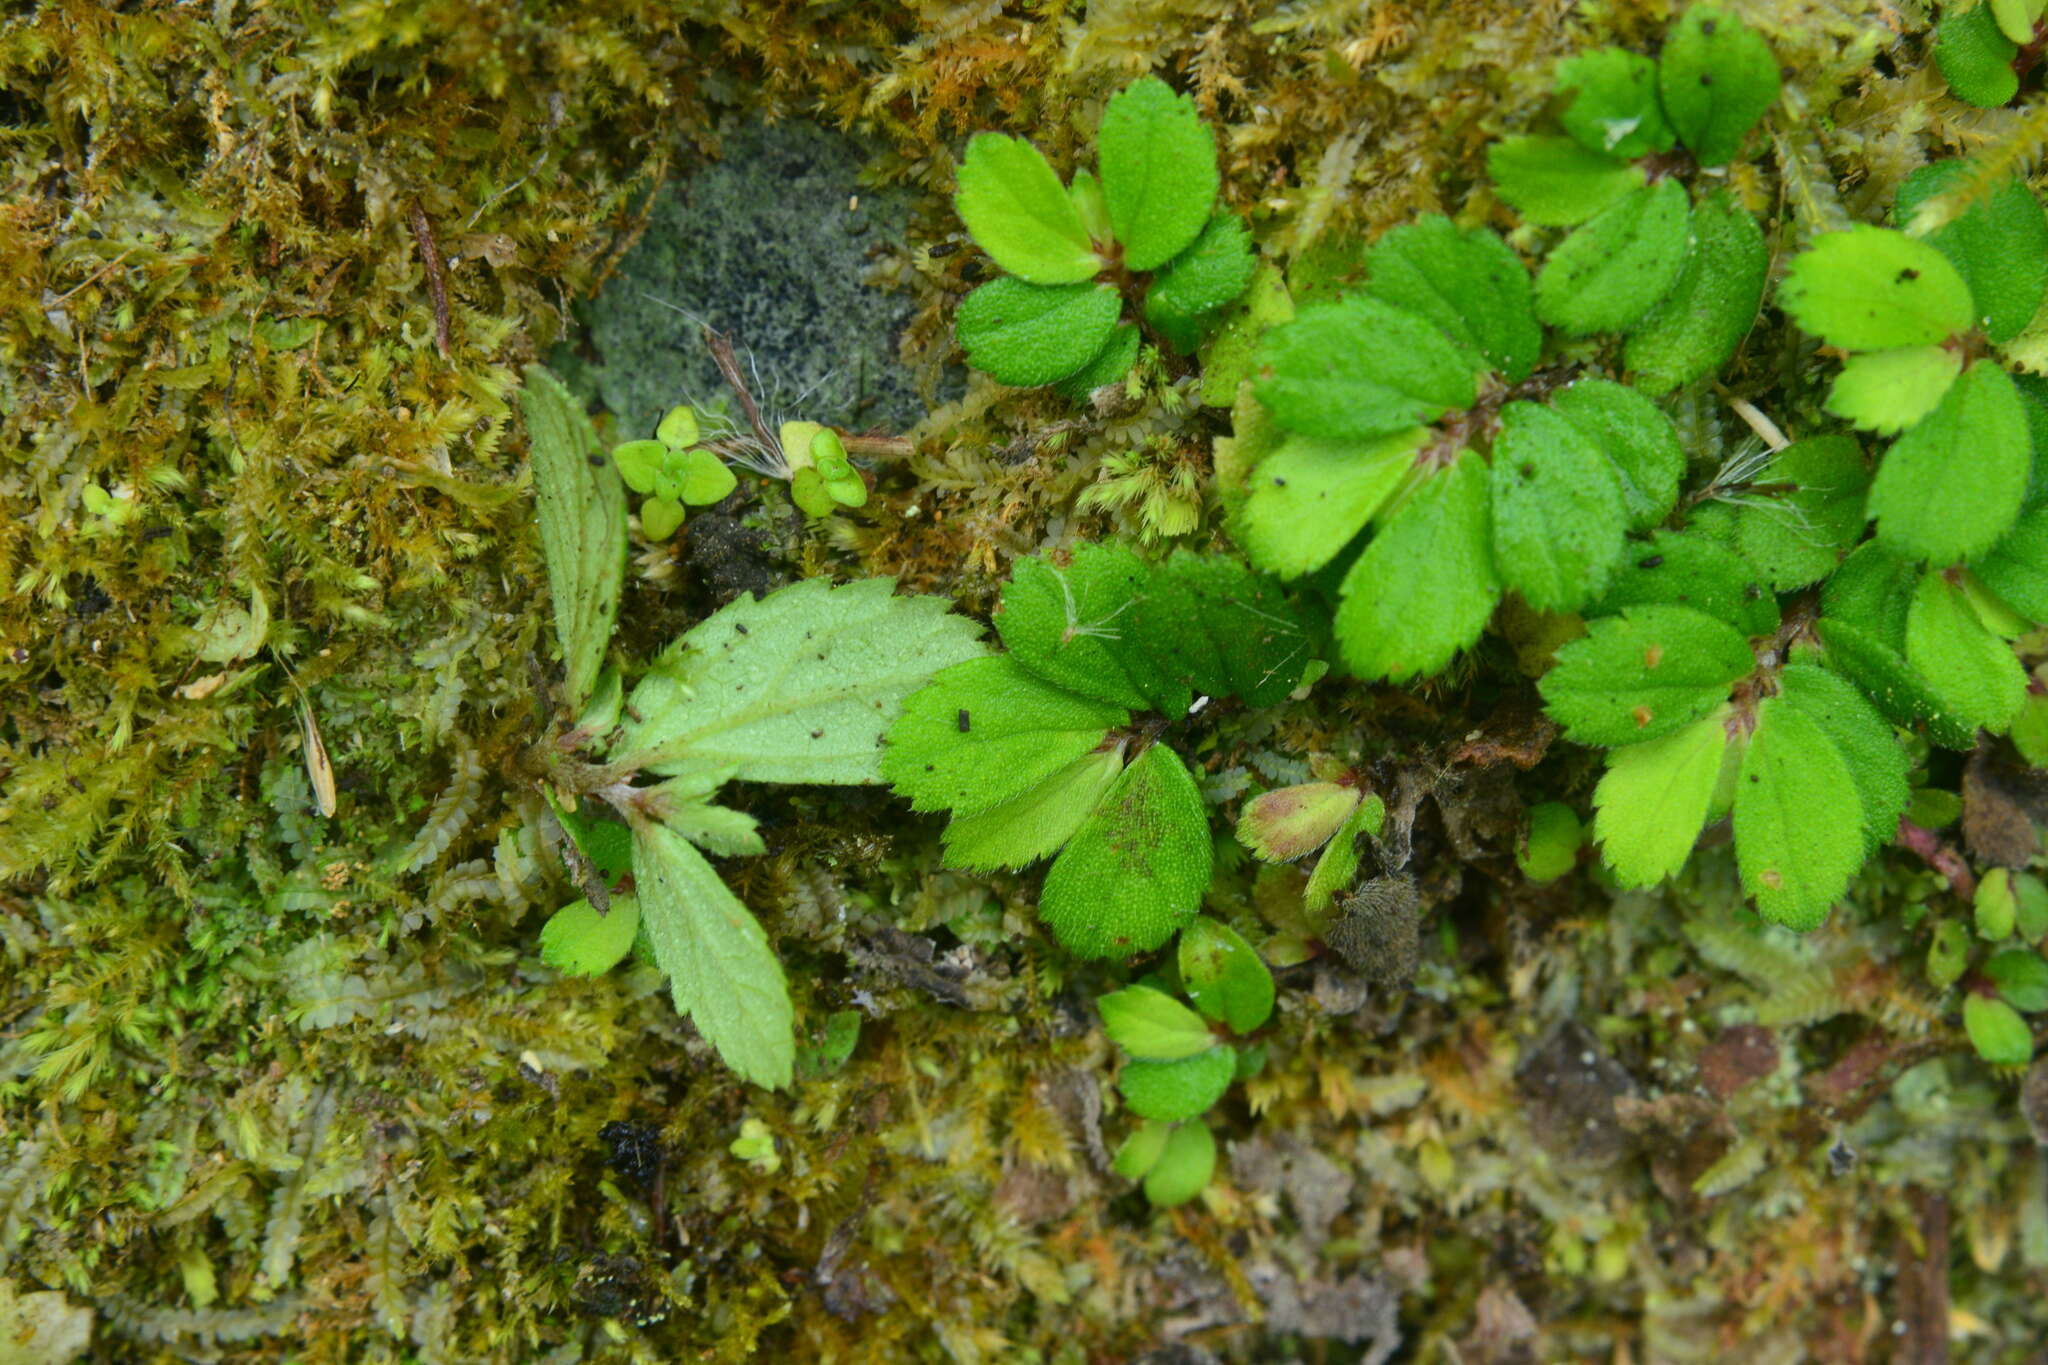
1951 487
1020 214
1686 569
1030 334
2016 568
1637 439
1211 626
1999 244
1072 623
1159 176
1717 77
1797 537
1558 517
1607 274
1210 273
1693 330
1136 869
1224 975
1109 366
1360 368
1470 284
2021 976
1425 586
1975 58
1864 740
1612 104
1554 182
1643 674
1311 496
1872 289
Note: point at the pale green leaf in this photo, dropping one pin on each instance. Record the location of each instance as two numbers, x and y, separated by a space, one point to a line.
1031 334
579 940
1339 863
1888 391
1018 212
1136 869
1173 1091
1153 1026
1035 823
1798 819
1183 1167
1953 485
1425 586
1997 1031
1554 182
1607 274
1872 289
1292 822
1138 1152
1224 975
718 830
1311 496
582 512
1652 801
1159 175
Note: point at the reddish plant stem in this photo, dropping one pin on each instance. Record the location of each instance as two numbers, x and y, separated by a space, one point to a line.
1939 856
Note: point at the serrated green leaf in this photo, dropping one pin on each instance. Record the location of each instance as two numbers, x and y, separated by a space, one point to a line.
721 971
1694 329
1109 366
1035 823
1159 176
1073 623
1471 285
1717 78
1686 569
1228 354
1031 334
1864 740
1612 105
1975 674
718 830
1975 58
1888 391
1798 819
579 941
2016 568
1637 439
1360 368
1997 1031
1425 586
1872 289
1214 269
1950 488
582 512
1210 626
1998 244
1136 869
1019 213
1643 674
1554 182
1183 1168
1608 273
1141 1150
1224 975
1652 801
1173 1091
1153 1026
1292 822
1558 516
989 731
1311 496
799 686
1795 538
2021 976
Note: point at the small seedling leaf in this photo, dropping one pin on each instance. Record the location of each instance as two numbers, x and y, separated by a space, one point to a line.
1292 822
1653 800
2021 976
1612 104
1997 1031
1550 847
1153 1026
1031 334
577 940
1174 1091
1224 975
1183 1168
1888 391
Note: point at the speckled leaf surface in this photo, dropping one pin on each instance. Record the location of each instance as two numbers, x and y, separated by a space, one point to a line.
1694 329
1607 274
1469 283
1159 176
1031 334
1425 586
1717 78
1558 516
1360 368
1872 289
1952 486
582 514
1309 497
1652 801
1798 818
1643 674
1135 871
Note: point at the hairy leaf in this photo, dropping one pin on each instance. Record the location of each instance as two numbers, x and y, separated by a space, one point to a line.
1210 626
1797 537
1360 368
1074 623
1214 269
1643 674
582 513
1872 289
1975 674
1864 740
1652 801
2016 568
1425 586
1717 77
1637 439
1153 1026
1037 822
1136 869
1109 366
1159 176
1184 1166
1558 516
1224 975
1554 182
1888 391
1686 569
1470 284
1612 105
1019 213
1311 496
1952 486
1607 274
1999 244
1172 1091
1975 58
1798 818
1030 334
1292 822
1694 329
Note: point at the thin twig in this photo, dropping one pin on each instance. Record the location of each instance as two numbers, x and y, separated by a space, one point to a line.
728 364
437 280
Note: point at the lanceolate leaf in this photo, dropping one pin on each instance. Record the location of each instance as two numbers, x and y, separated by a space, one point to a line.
1695 328
1862 737
582 511
1360 368
1470 284
1557 510
1037 822
1952 486
1136 869
1153 1026
1029 334
1311 496
2000 244
1717 77
1607 274
1637 439
721 971
1798 818
988 731
1425 586
1159 176
1020 214
1643 674
1555 182
799 686
1611 103
1652 802
1872 289
1973 672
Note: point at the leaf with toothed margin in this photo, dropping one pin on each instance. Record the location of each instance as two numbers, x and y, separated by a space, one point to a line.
1019 213
1360 368
1717 78
1798 817
1311 496
1872 289
1952 486
1643 674
1426 585
1608 273
1032 334
1693 330
1554 182
1136 869
1159 174
1652 801
1469 283
1558 516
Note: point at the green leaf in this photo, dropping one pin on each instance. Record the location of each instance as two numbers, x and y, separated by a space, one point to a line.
1173 1091
1948 954
1686 569
1339 863
605 844
1209 625
1607 274
1888 391
1999 244
1470 284
1798 819
1975 58
1141 1150
1643 674
577 940
1360 368
1086 192
1213 270
1863 628
1224 975
640 462
1136 869
705 478
718 830
1863 739
1292 822
678 430
1230 351
1796 538
1996 907
1872 289
799 686
1425 586
1550 848
807 490
1950 488
1974 673
2016 568
1073 623
1693 330
1153 1026
660 518
988 731
1717 77
1159 176
1312 495
2016 18
582 512
1017 211
1612 103
1554 182
2021 976
1997 1031
1637 439
1653 800
1558 516
1030 334
1183 1168
1036 822
721 971
1109 366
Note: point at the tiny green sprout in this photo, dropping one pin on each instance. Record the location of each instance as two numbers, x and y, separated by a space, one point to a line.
821 477
672 470
110 509
756 1146
1996 905
1997 1031
1551 847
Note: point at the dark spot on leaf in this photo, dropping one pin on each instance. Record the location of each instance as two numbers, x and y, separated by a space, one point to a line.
740 627
1650 563
596 461
1706 78
1279 482
963 721
1528 469
1707 27
1906 276
817 734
